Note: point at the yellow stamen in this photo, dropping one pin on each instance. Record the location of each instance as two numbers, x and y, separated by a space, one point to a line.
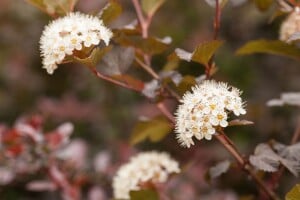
220 117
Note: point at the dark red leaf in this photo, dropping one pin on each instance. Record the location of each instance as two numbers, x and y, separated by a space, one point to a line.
129 80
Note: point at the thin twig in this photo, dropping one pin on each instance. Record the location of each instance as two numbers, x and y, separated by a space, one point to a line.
146 65
162 107
229 145
144 23
173 93
148 69
217 25
217 20
156 76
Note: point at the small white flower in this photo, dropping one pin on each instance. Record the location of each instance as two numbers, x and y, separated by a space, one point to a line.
204 109
148 167
206 132
219 118
75 42
71 33
238 110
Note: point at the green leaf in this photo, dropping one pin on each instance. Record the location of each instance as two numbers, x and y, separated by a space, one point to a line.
144 195
172 62
65 5
43 6
38 3
155 129
93 58
294 194
205 51
58 7
111 11
186 83
263 5
151 6
149 45
275 47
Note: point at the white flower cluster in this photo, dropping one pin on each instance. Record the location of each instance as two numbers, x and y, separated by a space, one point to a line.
147 167
204 109
71 33
290 26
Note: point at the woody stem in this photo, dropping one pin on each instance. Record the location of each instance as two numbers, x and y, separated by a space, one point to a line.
231 148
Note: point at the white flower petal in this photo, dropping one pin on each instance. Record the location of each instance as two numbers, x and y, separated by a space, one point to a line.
208 136
223 123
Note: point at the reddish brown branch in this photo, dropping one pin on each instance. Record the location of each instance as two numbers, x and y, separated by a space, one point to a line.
229 145
144 22
217 25
148 69
162 107
217 20
274 180
156 76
